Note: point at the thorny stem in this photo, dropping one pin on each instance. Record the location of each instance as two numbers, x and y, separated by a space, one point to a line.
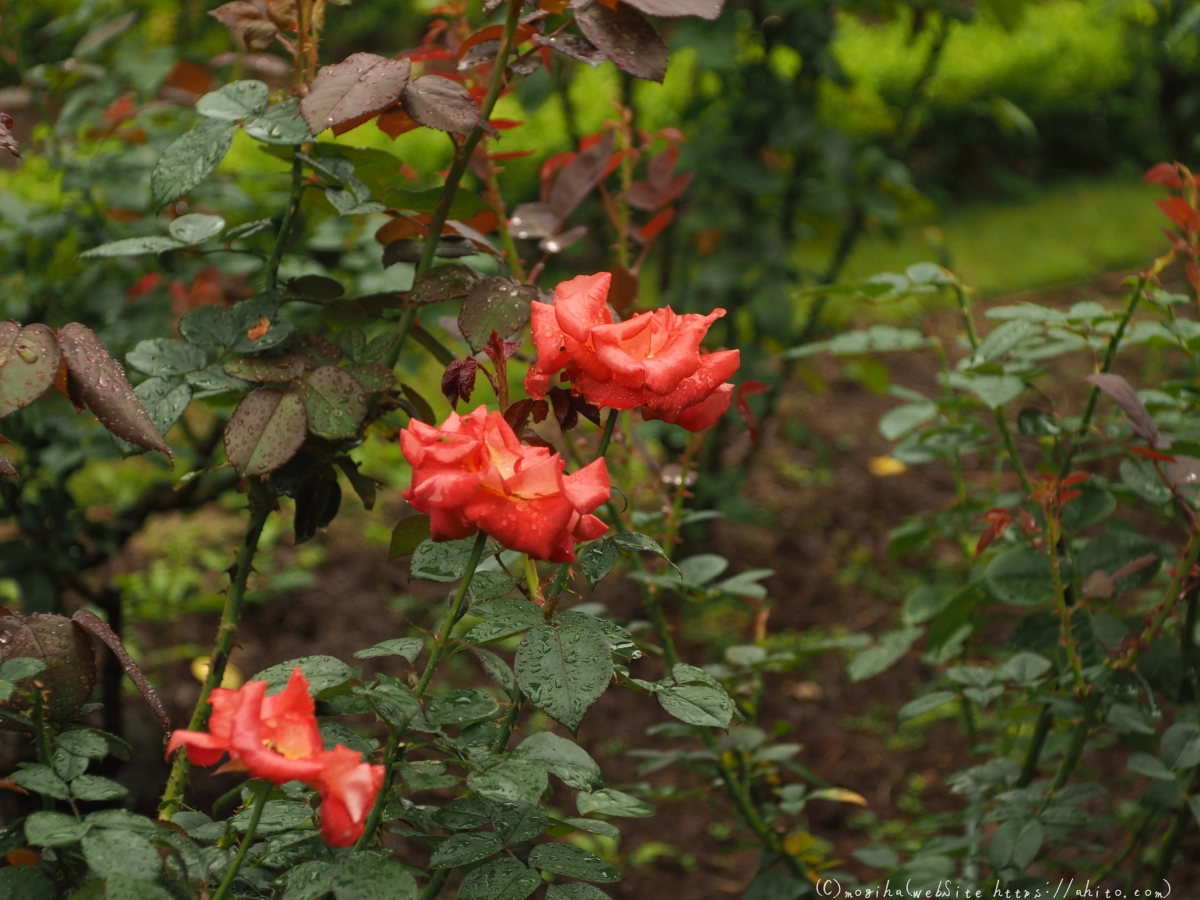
285 226
462 158
1134 840
260 801
1074 749
260 508
1174 589
435 656
1171 840
1109 356
1064 610
1034 751
41 739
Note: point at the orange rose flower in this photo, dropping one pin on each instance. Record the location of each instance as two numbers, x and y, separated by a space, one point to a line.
472 473
651 361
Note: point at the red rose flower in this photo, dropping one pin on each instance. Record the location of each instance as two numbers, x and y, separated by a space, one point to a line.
277 738
651 361
472 473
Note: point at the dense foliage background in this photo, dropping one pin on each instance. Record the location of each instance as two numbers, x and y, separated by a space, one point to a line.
885 695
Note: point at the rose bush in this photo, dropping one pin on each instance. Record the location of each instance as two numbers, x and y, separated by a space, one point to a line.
651 361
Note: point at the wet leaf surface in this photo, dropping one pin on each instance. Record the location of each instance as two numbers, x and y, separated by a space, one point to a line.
29 362
495 304
265 431
190 159
563 669
360 85
440 103
335 402
627 38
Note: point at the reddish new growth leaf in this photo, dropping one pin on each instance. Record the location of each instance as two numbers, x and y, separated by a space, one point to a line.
259 328
458 381
662 185
999 520
361 86
1169 175
748 389
249 25
7 140
569 406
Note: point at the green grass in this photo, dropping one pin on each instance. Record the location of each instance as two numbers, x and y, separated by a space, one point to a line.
1066 234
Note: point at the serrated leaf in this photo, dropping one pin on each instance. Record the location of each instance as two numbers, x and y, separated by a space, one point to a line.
566 759
265 431
310 880
597 560
195 228
120 887
626 37
84 742
464 849
322 672
889 648
500 879
52 829
26 883
29 363
409 533
163 356
95 788
495 304
504 618
409 647
574 891
280 124
517 822
437 102
441 560
610 802
563 670
334 401
281 368
190 159
100 382
165 400
706 705
21 667
450 282
109 851
212 327
458 707
573 862
512 781
361 85
132 247
277 817
1020 577
924 704
365 877
235 101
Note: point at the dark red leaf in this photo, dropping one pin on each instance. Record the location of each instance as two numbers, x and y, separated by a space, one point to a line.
458 381
654 227
705 9
1166 174
265 431
569 406
29 363
574 46
1125 397
360 86
626 37
579 178
247 24
438 102
7 140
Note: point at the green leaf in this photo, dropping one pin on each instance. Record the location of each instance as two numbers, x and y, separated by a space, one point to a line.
1020 577
322 672
41 780
163 356
490 585
594 826
21 667
1128 718
1140 477
504 617
120 887
132 247
441 560
566 759
95 788
369 877
210 326
1112 551
461 706
495 304
900 421
574 891
1091 507
1025 667
334 401
1150 766
1180 746
409 533
573 862
464 814
125 820
500 879
409 647
1002 340
632 542
195 228
265 431
464 849
702 568
165 400
517 822
563 669
109 851
512 781
277 816
235 101
889 649
610 802
309 880
597 560
84 742
993 390
427 775
25 883
190 159
696 698
280 124
52 829
924 704
498 670
465 206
